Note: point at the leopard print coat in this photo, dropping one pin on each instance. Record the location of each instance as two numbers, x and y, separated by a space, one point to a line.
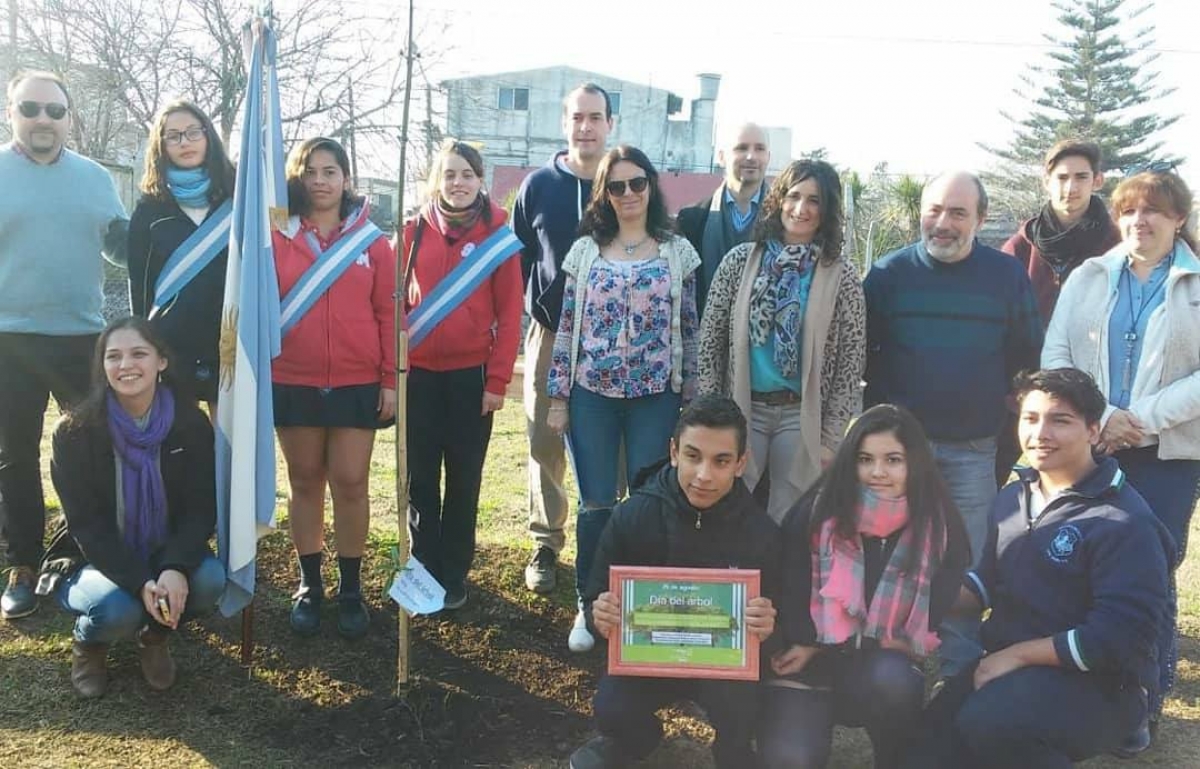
842 361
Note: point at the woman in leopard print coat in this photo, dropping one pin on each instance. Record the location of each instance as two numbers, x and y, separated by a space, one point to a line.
784 333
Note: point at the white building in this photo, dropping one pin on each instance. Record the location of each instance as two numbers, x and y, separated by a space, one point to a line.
517 116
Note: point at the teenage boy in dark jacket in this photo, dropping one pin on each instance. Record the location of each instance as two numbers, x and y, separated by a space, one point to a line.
1075 575
694 512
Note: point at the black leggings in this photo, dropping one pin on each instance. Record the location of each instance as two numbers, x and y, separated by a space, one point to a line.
880 689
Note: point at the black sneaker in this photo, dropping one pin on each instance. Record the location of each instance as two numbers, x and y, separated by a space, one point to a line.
19 599
353 619
456 598
600 753
541 575
306 612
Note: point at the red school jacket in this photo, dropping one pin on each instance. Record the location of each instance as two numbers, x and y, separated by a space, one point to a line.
348 336
485 330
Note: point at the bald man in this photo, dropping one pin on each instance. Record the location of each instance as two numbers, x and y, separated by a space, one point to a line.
950 321
716 225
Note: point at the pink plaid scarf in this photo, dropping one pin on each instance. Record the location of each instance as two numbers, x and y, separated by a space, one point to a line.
899 609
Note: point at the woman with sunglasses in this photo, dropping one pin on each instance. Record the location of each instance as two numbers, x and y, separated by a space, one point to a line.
461 369
784 333
1128 318
625 352
186 183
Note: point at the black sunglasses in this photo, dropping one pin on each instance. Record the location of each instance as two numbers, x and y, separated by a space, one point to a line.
637 184
30 109
1154 167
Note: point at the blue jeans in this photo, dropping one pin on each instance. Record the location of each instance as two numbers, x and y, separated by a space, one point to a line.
107 612
597 426
1169 487
969 469
1032 717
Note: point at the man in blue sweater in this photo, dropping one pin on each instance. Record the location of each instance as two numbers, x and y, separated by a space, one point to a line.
949 322
546 215
1075 574
58 211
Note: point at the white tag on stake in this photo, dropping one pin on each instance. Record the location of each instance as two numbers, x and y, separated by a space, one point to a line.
416 590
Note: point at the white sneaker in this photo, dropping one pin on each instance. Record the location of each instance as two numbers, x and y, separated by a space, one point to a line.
580 639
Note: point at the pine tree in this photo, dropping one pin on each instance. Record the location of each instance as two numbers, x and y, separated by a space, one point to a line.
1099 86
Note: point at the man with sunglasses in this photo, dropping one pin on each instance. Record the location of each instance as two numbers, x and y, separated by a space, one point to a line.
58 212
546 215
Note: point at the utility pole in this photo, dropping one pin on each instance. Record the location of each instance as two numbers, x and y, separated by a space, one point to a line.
12 38
352 130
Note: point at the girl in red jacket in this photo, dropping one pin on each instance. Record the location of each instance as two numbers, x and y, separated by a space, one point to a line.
459 371
335 380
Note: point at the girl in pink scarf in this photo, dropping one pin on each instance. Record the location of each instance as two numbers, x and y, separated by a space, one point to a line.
874 555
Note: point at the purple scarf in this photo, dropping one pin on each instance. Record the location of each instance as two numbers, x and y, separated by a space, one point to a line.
141 481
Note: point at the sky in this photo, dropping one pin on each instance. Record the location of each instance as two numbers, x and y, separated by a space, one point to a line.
916 84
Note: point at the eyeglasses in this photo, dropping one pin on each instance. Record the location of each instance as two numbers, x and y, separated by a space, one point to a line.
193 134
1154 167
637 185
32 109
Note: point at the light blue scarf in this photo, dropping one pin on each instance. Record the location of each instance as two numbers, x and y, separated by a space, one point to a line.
189 186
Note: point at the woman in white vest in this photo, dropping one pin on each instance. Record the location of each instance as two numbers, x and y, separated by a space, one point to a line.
334 381
463 298
784 333
625 352
185 186
1129 318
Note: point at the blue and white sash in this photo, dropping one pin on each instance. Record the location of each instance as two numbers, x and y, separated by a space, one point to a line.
328 267
475 267
193 255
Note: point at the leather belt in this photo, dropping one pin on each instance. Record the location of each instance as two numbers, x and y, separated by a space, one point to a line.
775 397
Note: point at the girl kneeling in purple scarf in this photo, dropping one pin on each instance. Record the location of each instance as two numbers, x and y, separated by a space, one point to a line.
134 470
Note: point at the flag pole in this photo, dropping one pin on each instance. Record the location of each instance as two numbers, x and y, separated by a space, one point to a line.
403 629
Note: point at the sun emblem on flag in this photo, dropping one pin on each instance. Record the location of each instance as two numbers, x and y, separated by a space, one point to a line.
228 347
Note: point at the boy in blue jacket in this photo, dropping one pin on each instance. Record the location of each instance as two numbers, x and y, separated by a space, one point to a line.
1075 575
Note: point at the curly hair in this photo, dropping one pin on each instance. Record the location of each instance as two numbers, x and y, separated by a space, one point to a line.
829 237
600 219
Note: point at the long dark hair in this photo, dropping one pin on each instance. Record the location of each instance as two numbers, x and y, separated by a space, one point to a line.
221 175
600 220
93 409
298 202
829 236
837 493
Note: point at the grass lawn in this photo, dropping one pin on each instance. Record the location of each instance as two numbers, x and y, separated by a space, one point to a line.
492 686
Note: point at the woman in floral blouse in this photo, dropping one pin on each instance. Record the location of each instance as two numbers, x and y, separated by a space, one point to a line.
784 333
625 353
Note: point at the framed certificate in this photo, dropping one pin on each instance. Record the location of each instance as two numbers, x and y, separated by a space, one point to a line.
683 623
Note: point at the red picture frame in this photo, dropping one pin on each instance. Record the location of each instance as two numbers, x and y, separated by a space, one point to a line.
683 623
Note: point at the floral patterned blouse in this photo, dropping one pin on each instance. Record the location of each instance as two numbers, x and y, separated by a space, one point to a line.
625 333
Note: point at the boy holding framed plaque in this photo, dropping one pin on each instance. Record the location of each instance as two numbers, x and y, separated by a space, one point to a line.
691 513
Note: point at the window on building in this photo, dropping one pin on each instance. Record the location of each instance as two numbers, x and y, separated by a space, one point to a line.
514 99
614 98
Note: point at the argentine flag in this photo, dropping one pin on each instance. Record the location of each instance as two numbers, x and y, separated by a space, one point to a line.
250 333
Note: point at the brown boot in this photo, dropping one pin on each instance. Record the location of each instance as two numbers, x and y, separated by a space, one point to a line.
89 669
157 666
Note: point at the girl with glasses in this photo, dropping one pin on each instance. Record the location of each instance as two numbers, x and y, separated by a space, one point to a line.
625 353
187 179
784 333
